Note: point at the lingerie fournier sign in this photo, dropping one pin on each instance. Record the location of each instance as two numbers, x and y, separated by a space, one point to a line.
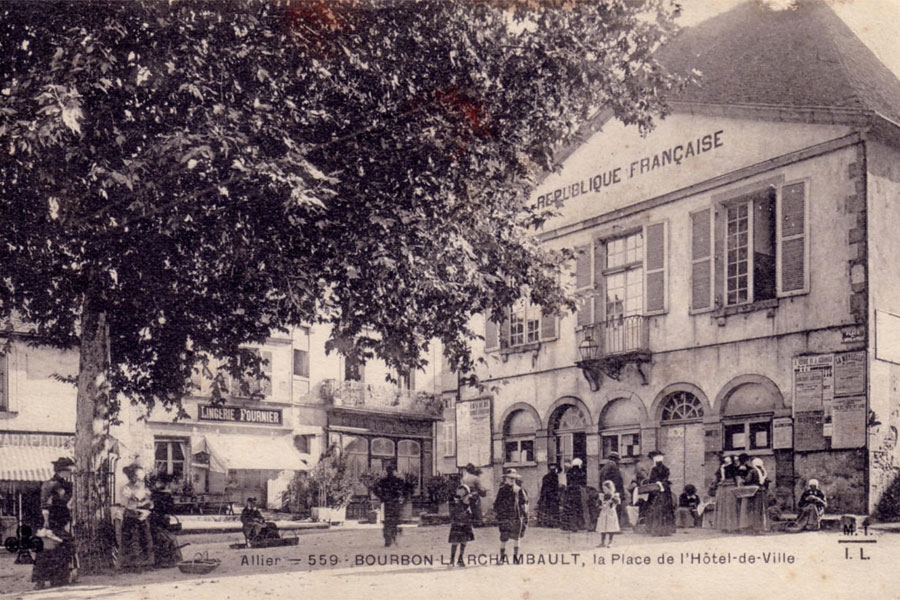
238 414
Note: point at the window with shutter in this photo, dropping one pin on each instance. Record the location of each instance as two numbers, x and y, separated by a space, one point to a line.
793 245
655 268
761 249
701 260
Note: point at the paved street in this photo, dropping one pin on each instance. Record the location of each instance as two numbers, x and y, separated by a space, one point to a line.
357 565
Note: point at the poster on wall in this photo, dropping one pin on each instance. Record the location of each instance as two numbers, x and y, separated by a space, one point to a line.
473 432
849 420
850 373
782 433
813 382
808 430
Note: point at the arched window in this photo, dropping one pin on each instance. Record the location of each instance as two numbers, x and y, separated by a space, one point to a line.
569 434
747 418
382 453
681 406
356 449
620 428
518 437
409 460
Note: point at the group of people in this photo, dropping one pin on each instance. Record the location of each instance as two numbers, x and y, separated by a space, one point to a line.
741 493
147 540
567 502
510 509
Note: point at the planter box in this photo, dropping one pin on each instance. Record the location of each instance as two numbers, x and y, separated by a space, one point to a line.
334 516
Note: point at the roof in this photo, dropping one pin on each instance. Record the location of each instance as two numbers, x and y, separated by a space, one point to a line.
802 57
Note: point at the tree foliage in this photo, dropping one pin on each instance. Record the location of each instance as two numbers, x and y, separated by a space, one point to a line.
202 172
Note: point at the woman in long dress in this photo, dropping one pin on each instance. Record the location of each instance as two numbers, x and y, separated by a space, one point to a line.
608 521
660 507
136 552
753 517
575 515
166 552
55 564
727 505
548 501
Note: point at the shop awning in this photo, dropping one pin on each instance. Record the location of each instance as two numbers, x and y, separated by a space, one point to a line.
29 463
241 451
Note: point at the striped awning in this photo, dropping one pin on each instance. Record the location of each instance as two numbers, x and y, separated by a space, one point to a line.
29 463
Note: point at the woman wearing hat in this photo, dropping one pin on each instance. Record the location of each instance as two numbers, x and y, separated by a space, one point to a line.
660 507
461 518
548 500
511 510
136 552
55 563
753 509
575 513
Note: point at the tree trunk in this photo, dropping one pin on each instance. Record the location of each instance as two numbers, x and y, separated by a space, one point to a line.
91 518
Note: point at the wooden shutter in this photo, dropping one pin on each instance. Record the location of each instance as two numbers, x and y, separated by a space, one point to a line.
583 290
599 281
655 268
793 240
548 327
719 256
6 403
491 334
701 260
504 331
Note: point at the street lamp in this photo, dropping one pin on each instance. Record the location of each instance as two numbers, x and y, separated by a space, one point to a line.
589 349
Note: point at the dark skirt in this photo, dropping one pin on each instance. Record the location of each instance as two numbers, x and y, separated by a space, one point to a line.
137 544
460 533
660 514
166 552
55 565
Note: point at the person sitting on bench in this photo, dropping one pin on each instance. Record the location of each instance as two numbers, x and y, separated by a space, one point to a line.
255 527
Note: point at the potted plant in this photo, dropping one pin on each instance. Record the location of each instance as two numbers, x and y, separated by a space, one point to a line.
331 483
440 489
369 478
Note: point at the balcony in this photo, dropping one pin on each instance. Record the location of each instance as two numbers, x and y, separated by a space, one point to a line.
607 347
359 395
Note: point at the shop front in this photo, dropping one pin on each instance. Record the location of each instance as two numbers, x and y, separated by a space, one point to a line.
373 441
26 461
224 454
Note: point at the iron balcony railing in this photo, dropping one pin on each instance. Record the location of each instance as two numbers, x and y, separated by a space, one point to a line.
381 398
618 335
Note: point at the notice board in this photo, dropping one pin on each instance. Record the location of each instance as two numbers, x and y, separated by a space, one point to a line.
813 382
782 433
849 422
850 373
808 430
473 432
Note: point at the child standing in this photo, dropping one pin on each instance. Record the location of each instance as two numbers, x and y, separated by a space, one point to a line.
460 524
608 522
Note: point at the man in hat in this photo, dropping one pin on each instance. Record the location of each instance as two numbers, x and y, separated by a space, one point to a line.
255 526
511 510
389 489
610 472
54 565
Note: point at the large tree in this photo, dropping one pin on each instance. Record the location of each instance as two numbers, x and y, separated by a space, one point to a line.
180 178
